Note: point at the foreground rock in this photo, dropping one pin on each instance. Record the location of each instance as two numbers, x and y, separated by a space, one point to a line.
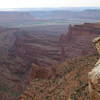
94 76
94 83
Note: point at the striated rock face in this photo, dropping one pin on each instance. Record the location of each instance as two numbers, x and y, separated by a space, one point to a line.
77 41
94 76
41 49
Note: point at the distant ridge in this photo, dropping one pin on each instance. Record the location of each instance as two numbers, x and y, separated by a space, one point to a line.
51 9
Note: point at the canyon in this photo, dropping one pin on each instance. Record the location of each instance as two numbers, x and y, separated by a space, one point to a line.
59 63
71 79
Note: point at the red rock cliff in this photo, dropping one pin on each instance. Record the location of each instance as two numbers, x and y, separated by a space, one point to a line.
77 41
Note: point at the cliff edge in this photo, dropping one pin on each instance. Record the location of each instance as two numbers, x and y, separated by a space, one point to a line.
94 76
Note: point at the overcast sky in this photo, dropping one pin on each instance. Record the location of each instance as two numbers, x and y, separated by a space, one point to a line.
48 3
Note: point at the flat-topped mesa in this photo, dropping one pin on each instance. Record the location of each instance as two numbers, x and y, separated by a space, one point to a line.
87 27
94 76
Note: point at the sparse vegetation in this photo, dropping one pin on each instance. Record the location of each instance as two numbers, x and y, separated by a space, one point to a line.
71 83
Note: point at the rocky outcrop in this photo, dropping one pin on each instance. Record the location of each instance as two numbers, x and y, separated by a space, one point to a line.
94 83
94 76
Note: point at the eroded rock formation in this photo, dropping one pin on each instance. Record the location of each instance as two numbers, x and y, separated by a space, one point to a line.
77 41
94 76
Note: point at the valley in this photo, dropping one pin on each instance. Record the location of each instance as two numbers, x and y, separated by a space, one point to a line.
47 55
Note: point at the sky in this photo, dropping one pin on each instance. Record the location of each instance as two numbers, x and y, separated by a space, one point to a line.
5 4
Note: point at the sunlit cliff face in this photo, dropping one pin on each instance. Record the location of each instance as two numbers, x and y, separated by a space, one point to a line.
94 83
94 76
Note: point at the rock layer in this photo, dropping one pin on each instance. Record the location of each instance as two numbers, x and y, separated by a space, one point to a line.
77 41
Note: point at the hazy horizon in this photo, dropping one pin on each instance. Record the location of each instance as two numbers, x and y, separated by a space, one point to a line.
50 9
18 4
